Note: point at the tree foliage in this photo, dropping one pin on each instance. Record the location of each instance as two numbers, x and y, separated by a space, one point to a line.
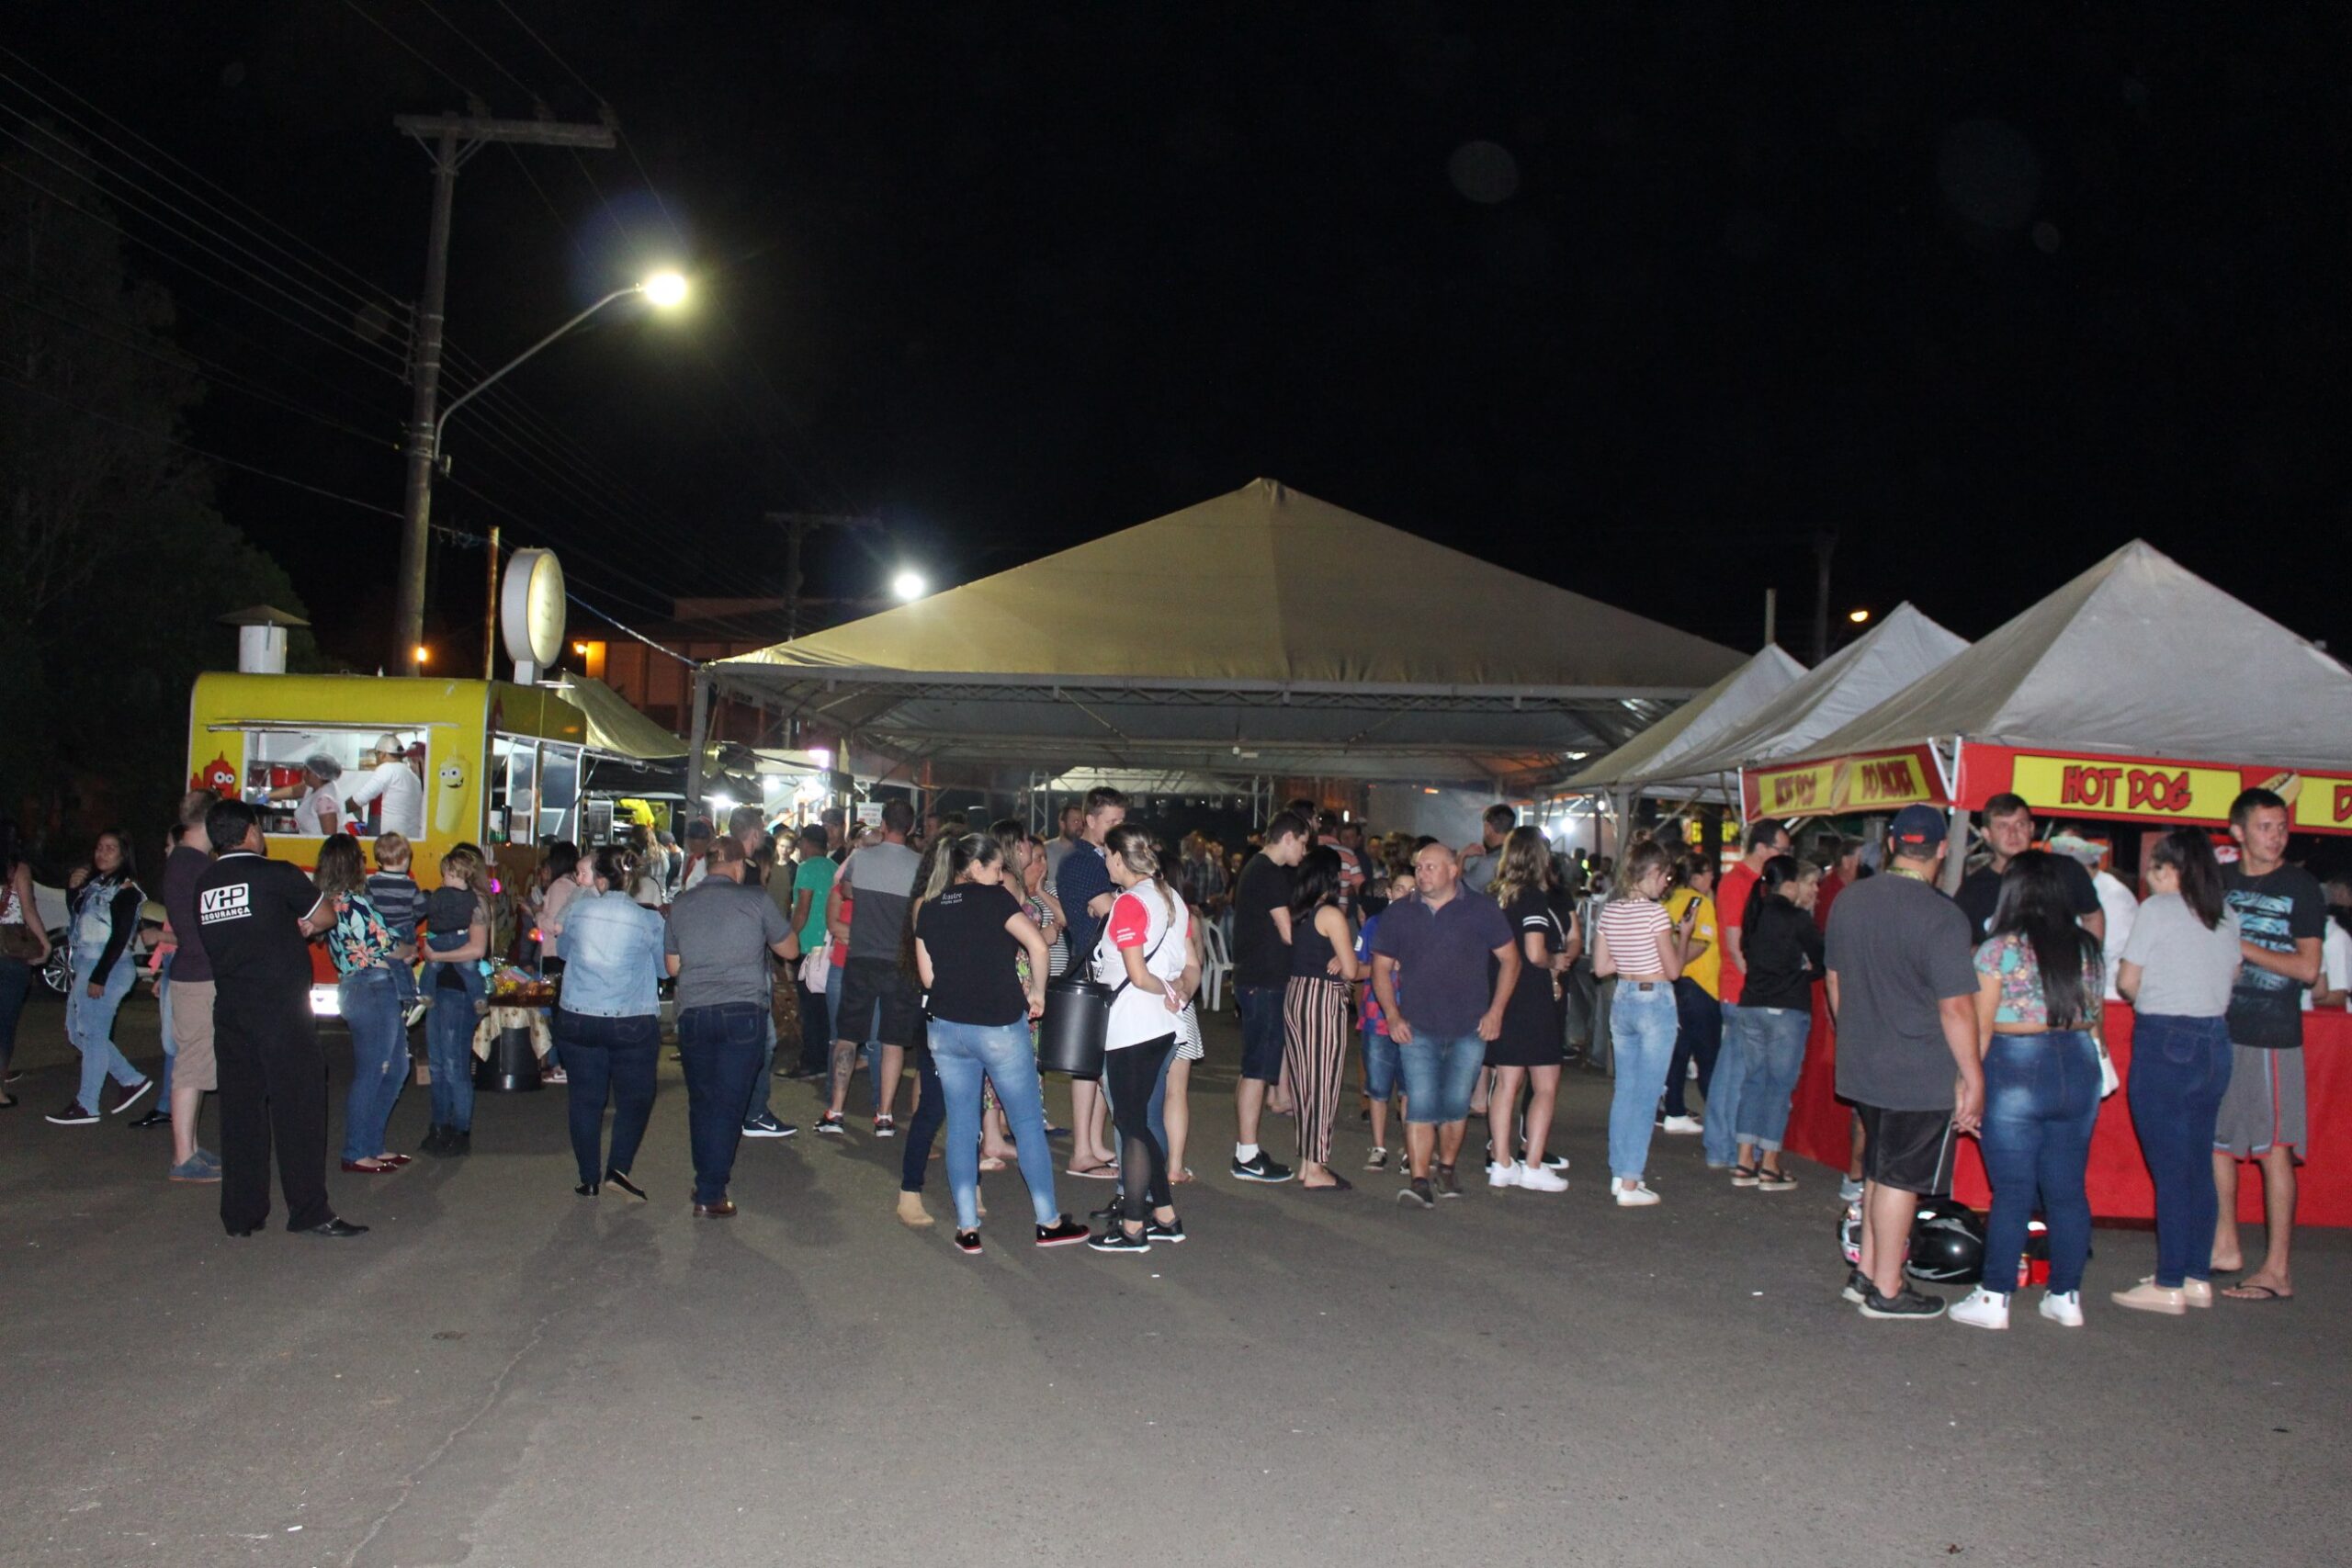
115 564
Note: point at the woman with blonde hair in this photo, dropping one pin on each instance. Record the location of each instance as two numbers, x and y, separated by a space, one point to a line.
1143 944
1530 1049
1635 942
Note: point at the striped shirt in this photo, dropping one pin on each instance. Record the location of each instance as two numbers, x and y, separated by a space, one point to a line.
1632 926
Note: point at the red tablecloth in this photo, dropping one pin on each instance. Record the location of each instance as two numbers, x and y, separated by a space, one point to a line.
2119 1182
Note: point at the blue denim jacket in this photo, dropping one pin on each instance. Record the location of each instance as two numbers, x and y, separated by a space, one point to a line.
611 948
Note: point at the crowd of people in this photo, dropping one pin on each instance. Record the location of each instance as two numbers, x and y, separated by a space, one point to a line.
1444 971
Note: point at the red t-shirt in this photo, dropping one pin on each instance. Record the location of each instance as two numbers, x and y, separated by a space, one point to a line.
1832 885
1731 913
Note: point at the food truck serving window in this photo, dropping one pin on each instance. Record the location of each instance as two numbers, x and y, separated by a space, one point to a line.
303 778
558 791
514 790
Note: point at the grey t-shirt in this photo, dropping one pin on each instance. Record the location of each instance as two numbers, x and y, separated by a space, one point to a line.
1478 870
2186 971
881 879
1898 948
721 931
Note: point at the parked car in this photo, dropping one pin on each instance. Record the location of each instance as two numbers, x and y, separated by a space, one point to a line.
51 904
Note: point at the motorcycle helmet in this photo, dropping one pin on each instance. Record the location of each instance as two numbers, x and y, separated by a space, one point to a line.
1947 1244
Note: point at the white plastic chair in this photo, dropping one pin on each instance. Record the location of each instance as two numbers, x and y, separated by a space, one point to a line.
1218 966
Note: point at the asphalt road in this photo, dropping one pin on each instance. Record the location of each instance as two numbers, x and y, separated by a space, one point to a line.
502 1374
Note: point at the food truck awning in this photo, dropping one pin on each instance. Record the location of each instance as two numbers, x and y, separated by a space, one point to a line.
1696 725
1259 632
2136 691
616 728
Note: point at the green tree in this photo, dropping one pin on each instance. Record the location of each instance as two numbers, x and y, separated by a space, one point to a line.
114 563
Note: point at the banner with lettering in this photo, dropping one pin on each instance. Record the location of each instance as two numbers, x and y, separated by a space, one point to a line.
1877 781
2148 789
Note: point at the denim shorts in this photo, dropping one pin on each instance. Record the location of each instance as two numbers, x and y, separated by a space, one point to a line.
1440 1075
1380 1065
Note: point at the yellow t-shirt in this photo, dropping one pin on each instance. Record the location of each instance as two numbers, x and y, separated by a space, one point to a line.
1708 966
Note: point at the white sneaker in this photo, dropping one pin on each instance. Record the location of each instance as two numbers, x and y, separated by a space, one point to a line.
1535 1178
1637 1196
2062 1307
1981 1308
2196 1293
1504 1176
1682 1125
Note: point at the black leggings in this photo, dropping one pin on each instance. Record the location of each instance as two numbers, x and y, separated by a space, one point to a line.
1130 1074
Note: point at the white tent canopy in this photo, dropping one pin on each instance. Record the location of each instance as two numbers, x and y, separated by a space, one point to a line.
1697 724
2137 657
1257 633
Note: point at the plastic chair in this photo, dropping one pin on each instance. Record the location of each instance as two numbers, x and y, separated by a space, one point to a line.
1218 964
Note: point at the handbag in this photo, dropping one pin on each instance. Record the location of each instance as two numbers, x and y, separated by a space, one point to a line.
18 941
1075 1031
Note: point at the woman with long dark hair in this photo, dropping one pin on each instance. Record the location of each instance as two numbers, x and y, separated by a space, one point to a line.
2038 1000
2176 970
970 931
1144 953
1530 1049
24 945
103 919
1785 960
364 950
1315 1011
608 1021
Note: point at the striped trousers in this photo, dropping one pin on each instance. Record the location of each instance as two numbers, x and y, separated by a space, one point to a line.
1315 1056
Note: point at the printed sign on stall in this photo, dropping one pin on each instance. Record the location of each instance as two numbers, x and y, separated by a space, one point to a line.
1876 782
2320 803
2058 786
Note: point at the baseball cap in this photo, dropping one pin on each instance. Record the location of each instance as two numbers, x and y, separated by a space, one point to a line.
1918 829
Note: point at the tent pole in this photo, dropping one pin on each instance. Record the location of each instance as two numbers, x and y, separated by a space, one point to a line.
698 737
1956 854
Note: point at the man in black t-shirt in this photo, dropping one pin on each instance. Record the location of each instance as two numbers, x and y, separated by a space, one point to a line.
2283 923
1261 975
255 917
2009 829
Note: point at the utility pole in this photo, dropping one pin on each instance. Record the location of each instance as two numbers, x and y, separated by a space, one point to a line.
1771 614
451 140
1825 545
797 525
490 613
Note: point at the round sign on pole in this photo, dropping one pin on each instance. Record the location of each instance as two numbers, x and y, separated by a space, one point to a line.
530 612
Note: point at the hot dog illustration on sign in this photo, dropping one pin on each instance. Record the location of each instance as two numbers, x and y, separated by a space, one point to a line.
448 799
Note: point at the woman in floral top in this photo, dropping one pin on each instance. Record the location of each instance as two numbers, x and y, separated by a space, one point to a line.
2037 1010
364 951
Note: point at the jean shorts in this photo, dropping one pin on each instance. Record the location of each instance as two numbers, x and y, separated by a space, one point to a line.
1440 1075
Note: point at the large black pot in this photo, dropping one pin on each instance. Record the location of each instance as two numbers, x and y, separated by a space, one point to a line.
1077 1023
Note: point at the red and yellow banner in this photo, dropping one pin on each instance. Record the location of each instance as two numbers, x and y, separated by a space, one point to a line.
2148 789
1878 781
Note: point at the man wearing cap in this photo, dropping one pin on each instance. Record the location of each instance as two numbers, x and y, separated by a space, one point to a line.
1901 992
392 781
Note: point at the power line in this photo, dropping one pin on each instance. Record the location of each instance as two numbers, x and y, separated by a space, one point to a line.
495 64
430 63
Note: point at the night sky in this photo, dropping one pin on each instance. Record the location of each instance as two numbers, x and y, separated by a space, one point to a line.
1636 298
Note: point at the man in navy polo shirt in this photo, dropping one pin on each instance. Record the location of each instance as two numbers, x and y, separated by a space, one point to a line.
1443 939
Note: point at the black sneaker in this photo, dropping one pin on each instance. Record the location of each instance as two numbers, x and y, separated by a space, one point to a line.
1116 1239
159 1117
457 1142
436 1140
1857 1287
1449 1185
1417 1193
1909 1305
1154 1231
969 1242
766 1126
1063 1232
831 1126
1259 1168
74 1116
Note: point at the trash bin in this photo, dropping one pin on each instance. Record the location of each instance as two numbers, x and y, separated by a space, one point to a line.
512 1065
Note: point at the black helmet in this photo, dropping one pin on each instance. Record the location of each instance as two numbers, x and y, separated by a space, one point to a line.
1947 1244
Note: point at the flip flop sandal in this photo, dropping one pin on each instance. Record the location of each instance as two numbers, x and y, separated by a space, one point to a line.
1744 1176
991 1163
1096 1173
1338 1184
1184 1176
2256 1294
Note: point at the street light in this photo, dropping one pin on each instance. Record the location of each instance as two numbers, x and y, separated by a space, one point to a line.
1857 616
909 586
423 654
662 289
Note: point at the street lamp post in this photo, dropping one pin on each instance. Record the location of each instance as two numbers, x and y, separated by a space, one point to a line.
664 290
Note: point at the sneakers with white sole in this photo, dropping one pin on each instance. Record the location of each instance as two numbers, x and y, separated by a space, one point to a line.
2149 1296
1532 1179
2063 1308
1502 1176
1637 1196
1681 1126
1981 1308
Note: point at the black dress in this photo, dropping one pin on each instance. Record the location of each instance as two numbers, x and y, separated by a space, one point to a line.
1532 1036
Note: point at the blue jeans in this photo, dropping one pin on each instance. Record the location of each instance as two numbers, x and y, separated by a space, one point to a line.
2180 1068
1721 1143
615 1058
1440 1075
1699 1037
89 1023
962 1054
1641 1032
757 1108
923 1130
720 1048
449 1048
15 985
1380 1065
2040 1103
164 1022
1771 1056
370 1000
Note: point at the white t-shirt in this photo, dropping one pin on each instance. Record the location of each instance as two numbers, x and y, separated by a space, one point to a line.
1140 919
2186 971
396 783
307 821
2115 901
2335 963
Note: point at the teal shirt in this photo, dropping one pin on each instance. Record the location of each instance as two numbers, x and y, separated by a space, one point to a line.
814 877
